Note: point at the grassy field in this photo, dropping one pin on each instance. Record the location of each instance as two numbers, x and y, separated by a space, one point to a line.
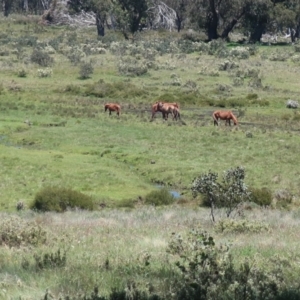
54 131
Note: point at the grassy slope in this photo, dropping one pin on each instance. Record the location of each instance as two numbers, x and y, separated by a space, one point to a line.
110 159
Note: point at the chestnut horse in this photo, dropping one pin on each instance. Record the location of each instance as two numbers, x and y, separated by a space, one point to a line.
155 109
169 108
113 107
224 115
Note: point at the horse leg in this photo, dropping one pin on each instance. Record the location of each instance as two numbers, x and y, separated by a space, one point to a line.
110 112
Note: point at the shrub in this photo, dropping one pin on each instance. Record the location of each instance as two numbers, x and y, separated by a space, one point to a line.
86 69
41 58
283 198
240 52
159 197
227 65
208 272
131 67
114 90
75 55
240 226
216 46
59 199
72 89
22 73
4 51
192 35
16 232
27 41
262 197
50 260
252 97
43 73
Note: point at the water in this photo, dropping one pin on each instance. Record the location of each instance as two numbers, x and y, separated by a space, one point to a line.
175 194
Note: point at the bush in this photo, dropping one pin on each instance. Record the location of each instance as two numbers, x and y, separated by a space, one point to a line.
86 69
159 197
16 232
43 73
41 58
59 199
131 67
283 199
208 272
50 260
240 226
22 73
262 197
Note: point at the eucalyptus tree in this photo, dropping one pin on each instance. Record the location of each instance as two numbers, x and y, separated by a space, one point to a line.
217 18
20 6
286 14
128 15
180 8
101 8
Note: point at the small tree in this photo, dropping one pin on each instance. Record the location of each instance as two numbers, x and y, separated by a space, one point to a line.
230 193
207 185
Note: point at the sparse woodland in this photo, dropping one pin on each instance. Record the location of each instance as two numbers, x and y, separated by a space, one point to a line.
99 206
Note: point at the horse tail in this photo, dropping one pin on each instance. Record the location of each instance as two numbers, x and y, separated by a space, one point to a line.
154 109
215 118
105 107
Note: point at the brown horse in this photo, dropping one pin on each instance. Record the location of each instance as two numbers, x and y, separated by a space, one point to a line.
224 115
169 108
155 109
112 107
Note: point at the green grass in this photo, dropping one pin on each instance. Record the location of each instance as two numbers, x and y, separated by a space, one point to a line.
54 131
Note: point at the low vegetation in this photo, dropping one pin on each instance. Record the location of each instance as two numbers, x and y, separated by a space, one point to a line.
59 199
87 210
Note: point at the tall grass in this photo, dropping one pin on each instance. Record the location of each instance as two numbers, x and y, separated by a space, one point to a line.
109 248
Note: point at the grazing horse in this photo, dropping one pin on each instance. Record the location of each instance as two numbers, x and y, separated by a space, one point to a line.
224 115
112 107
155 109
169 108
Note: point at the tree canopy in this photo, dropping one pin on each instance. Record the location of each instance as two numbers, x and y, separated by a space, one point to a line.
217 18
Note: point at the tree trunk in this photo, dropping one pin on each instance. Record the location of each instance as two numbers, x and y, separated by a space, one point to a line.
6 7
178 22
293 35
25 5
212 22
100 24
257 33
231 25
212 206
135 23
